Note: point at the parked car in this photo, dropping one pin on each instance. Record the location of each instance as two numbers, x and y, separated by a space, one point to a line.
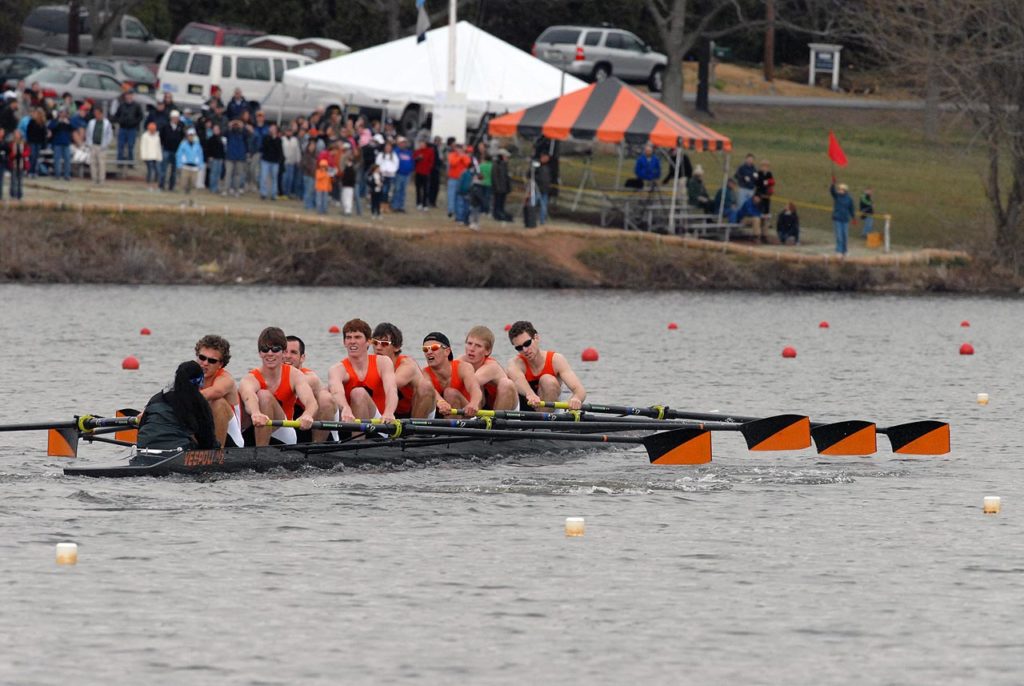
83 84
15 67
595 53
198 33
46 29
135 74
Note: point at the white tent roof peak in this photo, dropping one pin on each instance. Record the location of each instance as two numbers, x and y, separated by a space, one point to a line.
494 75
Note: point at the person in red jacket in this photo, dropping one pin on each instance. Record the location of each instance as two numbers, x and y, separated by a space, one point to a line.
423 157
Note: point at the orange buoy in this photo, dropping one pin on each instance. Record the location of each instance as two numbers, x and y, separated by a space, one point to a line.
966 324
334 329
966 349
789 351
130 362
672 326
144 331
508 327
822 325
589 355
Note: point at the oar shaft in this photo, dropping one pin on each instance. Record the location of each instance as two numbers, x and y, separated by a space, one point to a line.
84 423
39 426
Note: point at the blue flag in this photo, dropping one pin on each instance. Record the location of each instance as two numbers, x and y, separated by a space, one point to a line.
422 22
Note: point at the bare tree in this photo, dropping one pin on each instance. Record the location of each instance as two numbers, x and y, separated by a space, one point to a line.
104 19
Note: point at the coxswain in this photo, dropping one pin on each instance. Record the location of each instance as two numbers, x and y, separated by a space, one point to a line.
539 374
499 391
415 393
219 388
271 390
363 385
179 416
295 355
455 383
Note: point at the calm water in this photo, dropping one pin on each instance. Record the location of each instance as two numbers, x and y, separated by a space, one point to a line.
754 569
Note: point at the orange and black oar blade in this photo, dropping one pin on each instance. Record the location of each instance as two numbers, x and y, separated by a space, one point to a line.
127 435
62 442
679 446
783 432
927 437
854 437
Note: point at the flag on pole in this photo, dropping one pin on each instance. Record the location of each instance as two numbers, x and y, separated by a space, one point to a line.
422 21
835 153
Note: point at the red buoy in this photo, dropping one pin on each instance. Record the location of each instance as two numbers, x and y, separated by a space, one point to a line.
966 349
334 329
130 362
144 331
823 325
508 327
672 326
789 351
589 355
966 324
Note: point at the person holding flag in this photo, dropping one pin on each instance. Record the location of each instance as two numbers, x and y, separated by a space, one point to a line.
842 203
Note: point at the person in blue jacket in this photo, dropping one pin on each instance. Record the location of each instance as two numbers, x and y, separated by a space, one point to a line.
648 166
842 214
190 161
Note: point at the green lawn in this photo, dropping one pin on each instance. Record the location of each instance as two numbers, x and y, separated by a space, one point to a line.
932 190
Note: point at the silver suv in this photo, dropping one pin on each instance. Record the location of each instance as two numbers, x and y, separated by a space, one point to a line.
595 53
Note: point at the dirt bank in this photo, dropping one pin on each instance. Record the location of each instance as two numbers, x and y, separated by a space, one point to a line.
69 246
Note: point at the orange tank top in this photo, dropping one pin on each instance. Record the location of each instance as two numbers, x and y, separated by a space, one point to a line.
549 368
490 389
284 393
371 382
405 393
455 382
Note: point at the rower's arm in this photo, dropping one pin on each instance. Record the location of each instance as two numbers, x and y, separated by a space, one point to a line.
247 390
336 378
305 394
469 380
515 372
386 370
220 388
569 378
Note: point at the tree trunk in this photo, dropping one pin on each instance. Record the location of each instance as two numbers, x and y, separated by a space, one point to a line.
394 26
74 7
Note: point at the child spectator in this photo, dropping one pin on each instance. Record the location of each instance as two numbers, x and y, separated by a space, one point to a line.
151 153
375 182
788 226
867 212
348 183
323 186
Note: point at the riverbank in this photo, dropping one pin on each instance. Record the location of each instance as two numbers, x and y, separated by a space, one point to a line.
83 240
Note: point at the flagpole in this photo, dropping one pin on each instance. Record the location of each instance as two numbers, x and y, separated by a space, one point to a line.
452 21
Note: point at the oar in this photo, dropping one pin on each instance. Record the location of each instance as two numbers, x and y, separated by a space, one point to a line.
675 447
771 433
62 436
781 432
853 437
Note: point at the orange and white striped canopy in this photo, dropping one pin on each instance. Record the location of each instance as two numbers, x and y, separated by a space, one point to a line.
611 112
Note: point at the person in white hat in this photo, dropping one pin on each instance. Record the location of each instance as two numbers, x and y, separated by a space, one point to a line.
190 161
171 135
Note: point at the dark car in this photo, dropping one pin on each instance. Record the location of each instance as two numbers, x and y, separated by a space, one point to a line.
15 67
46 30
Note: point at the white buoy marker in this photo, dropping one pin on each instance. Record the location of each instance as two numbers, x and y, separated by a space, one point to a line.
574 526
67 553
992 504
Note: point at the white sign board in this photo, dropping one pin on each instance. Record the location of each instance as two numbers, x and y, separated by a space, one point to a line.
449 116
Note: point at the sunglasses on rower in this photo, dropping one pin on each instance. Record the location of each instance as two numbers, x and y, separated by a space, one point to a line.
432 348
380 342
204 358
525 344
270 349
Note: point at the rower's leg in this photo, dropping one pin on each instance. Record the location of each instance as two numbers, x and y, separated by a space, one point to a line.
222 415
270 407
549 388
455 398
423 399
506 397
362 404
325 413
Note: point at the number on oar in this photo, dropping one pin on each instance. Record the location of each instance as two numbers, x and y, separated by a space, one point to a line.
674 447
781 432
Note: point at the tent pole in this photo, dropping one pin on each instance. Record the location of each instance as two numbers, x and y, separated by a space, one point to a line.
618 169
583 180
725 181
675 192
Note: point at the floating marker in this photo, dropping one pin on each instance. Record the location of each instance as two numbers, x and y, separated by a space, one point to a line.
334 329
508 327
983 398
822 325
966 349
672 326
789 351
67 553
144 331
992 506
589 355
966 324
574 525
130 362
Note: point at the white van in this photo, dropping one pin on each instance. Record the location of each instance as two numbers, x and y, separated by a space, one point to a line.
189 71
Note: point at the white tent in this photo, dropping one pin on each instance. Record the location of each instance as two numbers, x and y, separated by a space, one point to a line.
494 75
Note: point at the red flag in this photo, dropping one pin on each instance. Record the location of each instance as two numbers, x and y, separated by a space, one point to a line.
835 153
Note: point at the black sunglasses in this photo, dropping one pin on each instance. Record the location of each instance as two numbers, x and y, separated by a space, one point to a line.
204 358
526 344
271 349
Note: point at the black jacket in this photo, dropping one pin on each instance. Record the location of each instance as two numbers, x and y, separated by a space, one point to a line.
128 115
171 137
272 151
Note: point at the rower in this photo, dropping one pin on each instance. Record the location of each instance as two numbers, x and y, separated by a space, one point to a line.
179 416
539 374
219 388
363 385
263 404
499 391
415 393
455 384
295 355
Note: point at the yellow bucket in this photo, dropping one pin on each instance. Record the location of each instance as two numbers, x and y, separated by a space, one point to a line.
874 240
